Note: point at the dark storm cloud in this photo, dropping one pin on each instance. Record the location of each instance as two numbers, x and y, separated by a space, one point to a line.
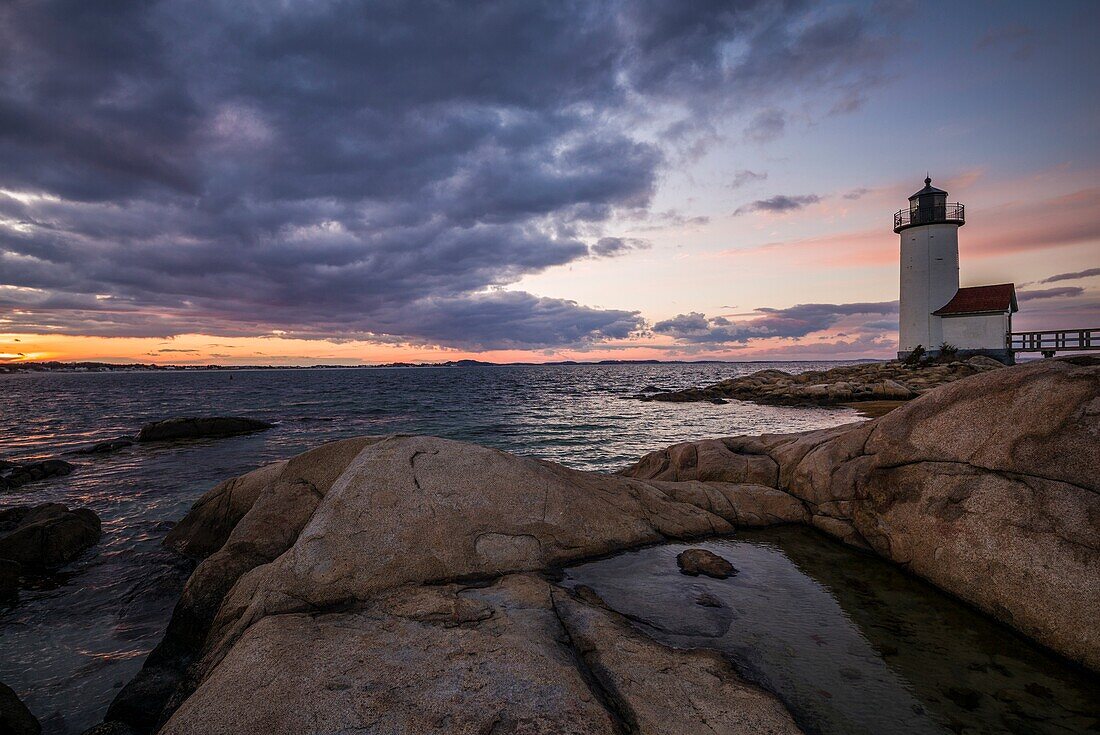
1087 273
779 204
792 322
610 247
1049 293
353 170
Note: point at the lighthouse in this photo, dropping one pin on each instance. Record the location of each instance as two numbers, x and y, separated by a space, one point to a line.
929 231
933 309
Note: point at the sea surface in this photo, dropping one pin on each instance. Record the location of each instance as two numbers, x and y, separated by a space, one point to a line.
76 637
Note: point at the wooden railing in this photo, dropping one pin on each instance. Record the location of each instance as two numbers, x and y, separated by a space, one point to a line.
1059 340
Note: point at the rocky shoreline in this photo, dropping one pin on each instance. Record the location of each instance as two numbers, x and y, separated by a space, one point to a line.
412 581
850 384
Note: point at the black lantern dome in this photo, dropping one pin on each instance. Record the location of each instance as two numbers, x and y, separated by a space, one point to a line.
929 206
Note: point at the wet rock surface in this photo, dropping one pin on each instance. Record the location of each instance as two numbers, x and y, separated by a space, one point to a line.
43 537
694 562
876 381
187 427
17 474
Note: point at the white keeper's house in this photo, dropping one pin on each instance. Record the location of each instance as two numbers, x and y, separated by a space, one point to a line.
977 320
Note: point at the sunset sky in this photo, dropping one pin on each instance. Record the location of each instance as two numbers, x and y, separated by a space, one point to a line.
341 182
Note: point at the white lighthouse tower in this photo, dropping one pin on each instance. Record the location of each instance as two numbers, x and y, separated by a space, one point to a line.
929 231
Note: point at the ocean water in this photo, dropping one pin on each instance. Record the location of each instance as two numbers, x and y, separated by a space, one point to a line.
73 640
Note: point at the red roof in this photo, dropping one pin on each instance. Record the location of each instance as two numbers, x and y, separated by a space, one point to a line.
981 300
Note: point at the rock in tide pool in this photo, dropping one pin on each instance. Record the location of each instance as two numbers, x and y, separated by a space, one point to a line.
694 562
45 536
15 718
16 474
186 427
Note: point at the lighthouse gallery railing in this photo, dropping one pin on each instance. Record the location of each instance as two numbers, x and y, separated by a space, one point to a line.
950 212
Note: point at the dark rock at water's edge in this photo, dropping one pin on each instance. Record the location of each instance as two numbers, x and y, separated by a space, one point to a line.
874 381
694 562
43 537
188 427
15 474
9 578
410 579
15 718
109 445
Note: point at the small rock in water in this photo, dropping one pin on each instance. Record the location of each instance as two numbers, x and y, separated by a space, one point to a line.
652 389
706 599
109 445
694 562
964 697
719 401
14 474
47 535
187 427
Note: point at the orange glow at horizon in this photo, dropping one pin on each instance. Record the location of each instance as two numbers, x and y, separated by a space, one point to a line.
198 349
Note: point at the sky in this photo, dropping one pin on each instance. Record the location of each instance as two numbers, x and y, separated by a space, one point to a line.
311 182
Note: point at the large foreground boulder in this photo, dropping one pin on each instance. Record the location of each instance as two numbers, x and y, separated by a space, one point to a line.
189 427
988 487
45 536
339 529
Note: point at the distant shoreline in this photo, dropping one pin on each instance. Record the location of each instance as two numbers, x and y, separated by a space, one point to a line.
111 367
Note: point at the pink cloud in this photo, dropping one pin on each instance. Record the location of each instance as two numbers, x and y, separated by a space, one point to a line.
1014 227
